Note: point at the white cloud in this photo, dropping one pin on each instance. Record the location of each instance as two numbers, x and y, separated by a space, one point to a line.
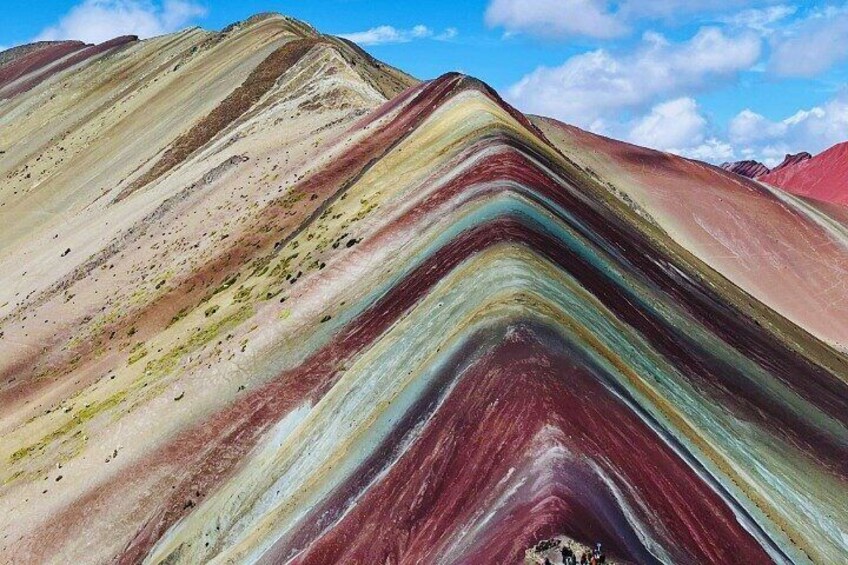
601 19
593 88
712 150
814 130
95 21
749 127
761 20
388 34
555 18
447 35
813 46
678 127
676 123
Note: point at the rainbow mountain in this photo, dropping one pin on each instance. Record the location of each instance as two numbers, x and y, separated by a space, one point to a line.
266 299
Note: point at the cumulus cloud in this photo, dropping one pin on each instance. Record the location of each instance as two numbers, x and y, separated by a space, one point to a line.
677 126
813 129
389 34
95 21
601 19
555 18
812 47
712 150
676 123
591 88
748 127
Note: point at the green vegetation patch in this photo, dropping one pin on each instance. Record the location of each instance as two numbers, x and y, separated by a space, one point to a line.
201 336
84 415
137 353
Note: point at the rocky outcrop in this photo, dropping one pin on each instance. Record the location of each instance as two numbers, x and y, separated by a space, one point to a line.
749 169
791 160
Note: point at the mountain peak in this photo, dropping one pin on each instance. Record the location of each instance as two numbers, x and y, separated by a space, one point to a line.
792 159
293 24
750 169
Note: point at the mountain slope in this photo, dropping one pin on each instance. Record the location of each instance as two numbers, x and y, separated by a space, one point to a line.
823 177
271 311
773 247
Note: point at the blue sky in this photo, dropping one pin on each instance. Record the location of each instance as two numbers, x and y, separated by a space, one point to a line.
712 79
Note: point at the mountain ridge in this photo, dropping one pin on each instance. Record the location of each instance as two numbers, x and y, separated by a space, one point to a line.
823 177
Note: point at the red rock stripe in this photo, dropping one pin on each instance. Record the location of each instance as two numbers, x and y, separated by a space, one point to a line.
78 57
528 386
37 59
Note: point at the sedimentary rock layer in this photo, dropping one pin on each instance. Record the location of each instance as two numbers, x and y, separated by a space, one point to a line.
323 313
38 66
750 169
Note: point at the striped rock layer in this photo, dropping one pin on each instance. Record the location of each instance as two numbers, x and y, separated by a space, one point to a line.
265 299
749 169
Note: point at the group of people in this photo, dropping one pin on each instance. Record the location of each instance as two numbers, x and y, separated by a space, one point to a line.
594 557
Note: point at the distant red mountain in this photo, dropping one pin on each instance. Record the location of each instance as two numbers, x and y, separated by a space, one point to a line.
791 160
823 177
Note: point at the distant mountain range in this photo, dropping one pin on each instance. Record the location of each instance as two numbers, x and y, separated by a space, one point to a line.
823 177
